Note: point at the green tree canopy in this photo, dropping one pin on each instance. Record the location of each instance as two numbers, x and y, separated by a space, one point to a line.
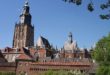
102 50
101 54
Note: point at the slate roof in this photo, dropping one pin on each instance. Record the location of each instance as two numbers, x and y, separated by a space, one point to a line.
42 42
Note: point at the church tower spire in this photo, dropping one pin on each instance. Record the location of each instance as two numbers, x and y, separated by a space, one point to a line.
70 40
26 8
24 31
25 17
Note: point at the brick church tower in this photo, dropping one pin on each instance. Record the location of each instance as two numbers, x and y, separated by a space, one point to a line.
24 31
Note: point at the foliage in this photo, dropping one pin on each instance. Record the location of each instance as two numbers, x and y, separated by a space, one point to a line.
103 70
101 54
7 73
75 72
105 16
91 7
62 72
50 72
102 50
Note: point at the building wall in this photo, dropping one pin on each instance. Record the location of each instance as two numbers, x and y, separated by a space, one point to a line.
11 57
23 36
38 68
7 67
72 55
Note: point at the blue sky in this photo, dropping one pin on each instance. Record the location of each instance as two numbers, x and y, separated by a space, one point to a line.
54 19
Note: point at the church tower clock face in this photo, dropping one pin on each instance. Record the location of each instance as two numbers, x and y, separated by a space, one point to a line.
22 19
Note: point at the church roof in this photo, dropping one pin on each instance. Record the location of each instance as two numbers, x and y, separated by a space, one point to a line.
70 44
42 42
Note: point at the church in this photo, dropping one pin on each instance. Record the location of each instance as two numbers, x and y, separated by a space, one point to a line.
42 57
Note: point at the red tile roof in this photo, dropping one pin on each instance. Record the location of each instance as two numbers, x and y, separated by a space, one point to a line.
24 57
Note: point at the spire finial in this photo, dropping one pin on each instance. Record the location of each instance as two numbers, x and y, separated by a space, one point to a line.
26 3
70 37
26 7
70 34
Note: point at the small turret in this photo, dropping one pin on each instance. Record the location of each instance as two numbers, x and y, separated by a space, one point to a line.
70 40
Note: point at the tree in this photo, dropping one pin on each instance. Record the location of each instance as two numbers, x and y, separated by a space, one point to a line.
101 54
103 70
102 50
91 7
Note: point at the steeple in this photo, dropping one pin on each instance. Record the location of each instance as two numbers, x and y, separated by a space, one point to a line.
26 8
70 40
24 31
25 17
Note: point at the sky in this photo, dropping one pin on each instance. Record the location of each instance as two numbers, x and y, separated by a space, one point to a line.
54 19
